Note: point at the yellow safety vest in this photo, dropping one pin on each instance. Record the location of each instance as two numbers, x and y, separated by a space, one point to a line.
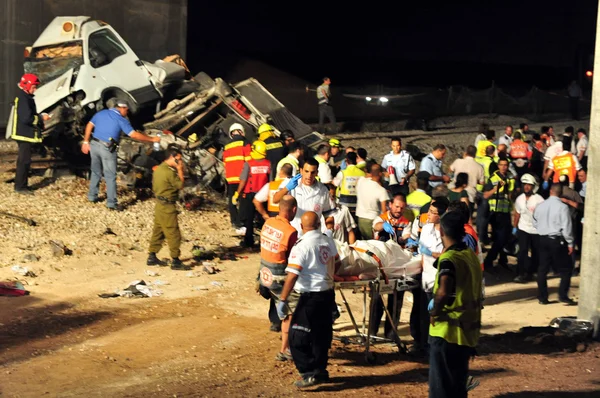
346 192
288 159
460 322
481 146
500 201
320 159
37 137
415 200
485 161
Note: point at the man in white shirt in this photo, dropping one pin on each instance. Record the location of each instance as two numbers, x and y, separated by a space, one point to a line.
401 164
371 200
582 147
473 169
343 225
310 194
506 139
322 156
529 238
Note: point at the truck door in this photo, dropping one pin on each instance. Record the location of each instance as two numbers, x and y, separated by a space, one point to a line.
119 66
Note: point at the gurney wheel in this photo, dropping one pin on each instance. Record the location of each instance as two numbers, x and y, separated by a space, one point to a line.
371 358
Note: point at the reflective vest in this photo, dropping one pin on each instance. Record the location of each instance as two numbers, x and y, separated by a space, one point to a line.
276 240
273 208
460 322
320 160
500 201
288 159
481 146
469 230
416 200
16 134
519 150
347 188
235 154
485 161
275 152
260 173
564 165
399 224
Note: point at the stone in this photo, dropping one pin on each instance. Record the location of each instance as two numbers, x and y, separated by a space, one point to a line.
31 258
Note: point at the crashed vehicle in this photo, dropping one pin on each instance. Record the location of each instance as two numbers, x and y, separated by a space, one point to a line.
84 66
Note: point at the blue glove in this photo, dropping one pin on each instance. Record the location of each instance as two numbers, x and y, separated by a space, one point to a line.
293 182
411 242
514 232
430 305
387 227
545 185
425 251
281 309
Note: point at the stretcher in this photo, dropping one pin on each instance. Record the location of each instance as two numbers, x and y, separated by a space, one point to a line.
372 290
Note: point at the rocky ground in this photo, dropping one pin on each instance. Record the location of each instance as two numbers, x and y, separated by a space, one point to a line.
207 334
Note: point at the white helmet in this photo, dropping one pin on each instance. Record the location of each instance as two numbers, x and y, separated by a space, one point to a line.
236 126
529 179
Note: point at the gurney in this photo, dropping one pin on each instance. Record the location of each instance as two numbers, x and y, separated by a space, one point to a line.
374 268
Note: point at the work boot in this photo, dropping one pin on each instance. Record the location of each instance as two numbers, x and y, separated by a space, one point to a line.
177 265
24 191
153 261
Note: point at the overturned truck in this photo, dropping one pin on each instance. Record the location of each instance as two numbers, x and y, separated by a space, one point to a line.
85 66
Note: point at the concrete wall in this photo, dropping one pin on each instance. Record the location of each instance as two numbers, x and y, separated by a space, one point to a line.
153 29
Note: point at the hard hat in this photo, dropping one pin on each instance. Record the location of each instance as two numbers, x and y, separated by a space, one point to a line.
529 179
234 127
28 80
286 134
335 142
259 150
265 131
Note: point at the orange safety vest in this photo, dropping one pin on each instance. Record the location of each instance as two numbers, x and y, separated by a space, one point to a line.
235 154
273 208
276 240
564 165
519 149
399 225
469 230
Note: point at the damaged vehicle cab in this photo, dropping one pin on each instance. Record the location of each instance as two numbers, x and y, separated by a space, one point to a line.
83 63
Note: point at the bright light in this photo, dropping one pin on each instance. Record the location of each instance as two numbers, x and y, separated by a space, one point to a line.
383 99
589 73
368 99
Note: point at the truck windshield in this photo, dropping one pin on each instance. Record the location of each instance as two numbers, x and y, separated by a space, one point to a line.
50 62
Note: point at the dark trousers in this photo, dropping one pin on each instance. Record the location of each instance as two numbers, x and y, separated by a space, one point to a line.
501 228
23 165
448 368
574 107
233 212
525 267
397 188
554 253
247 213
311 332
482 220
326 110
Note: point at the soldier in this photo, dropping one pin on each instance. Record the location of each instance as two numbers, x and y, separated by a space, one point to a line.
167 180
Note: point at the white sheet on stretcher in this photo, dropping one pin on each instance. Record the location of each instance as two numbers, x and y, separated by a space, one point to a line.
397 262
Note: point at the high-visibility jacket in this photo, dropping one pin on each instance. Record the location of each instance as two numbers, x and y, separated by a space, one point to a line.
25 123
486 162
275 152
291 160
564 165
259 176
235 154
500 201
519 150
273 208
416 200
481 146
460 322
399 225
347 188
276 240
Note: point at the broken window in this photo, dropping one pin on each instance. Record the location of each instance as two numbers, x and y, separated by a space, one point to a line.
104 48
50 62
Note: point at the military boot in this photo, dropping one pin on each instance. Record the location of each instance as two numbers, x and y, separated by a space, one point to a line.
176 264
154 261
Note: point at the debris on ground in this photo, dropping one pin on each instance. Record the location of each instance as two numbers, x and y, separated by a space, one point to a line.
23 271
135 289
12 288
59 249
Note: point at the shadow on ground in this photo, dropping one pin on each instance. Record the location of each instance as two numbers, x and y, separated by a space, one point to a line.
546 394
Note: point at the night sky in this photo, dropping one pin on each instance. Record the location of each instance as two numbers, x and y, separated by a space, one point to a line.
517 44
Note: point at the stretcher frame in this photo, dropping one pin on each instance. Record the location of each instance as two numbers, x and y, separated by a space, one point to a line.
374 288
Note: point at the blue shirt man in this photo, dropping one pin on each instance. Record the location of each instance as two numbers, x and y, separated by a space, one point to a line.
432 164
109 123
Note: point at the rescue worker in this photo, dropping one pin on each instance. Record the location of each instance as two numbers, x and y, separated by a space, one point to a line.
312 263
419 198
432 164
322 157
346 182
107 126
563 163
325 108
287 136
497 192
581 148
255 174
528 236
277 238
235 154
267 192
275 149
26 129
524 130
343 164
553 223
520 153
483 144
371 200
295 152
455 312
310 194
399 163
336 155
507 138
167 180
